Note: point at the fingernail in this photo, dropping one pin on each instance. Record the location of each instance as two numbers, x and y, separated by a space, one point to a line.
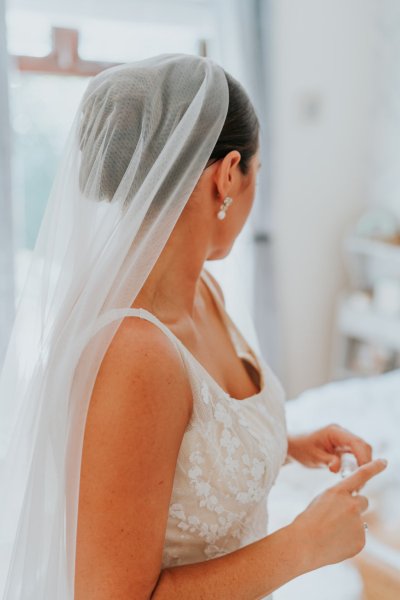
384 461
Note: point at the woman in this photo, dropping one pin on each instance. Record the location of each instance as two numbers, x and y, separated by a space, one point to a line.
157 431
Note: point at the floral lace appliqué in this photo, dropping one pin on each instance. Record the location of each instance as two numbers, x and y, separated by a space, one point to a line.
224 478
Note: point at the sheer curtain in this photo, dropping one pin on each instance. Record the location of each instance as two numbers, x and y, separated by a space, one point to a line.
6 237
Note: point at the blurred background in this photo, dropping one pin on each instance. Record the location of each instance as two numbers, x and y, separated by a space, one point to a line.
321 249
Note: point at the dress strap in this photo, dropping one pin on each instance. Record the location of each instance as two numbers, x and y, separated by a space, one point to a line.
145 314
240 343
242 347
210 283
120 313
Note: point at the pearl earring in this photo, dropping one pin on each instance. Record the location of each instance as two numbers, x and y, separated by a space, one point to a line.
222 211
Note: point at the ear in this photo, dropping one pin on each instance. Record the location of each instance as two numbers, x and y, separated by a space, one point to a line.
226 172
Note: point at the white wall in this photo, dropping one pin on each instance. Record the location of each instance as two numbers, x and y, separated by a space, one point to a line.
384 165
321 79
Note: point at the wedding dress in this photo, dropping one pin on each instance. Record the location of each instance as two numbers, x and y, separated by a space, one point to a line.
230 455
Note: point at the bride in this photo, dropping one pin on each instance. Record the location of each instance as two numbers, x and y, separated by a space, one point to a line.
143 431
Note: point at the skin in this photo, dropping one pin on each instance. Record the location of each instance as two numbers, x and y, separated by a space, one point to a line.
172 289
173 292
138 414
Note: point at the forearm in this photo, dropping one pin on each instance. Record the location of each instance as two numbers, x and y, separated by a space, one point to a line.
250 573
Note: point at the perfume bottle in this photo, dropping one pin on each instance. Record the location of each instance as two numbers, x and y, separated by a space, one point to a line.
348 464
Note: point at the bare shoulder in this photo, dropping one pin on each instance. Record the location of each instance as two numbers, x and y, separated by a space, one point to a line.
217 285
140 355
137 416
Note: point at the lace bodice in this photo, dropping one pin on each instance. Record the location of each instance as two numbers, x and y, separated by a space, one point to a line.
229 458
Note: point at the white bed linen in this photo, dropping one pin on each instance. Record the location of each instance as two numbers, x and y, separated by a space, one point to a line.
370 407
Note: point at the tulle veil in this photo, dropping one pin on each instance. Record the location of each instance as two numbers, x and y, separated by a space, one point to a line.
140 139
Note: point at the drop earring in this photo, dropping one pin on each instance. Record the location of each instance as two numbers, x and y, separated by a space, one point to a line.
223 208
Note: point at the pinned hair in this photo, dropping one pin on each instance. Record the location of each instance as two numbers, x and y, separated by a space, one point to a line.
241 128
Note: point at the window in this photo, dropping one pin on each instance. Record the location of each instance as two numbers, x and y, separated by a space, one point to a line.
53 56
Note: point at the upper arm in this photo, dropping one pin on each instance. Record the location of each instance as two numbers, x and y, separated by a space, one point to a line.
139 409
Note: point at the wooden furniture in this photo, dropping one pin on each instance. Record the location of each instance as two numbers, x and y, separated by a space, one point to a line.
379 562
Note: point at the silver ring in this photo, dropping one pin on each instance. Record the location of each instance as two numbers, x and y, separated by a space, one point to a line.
365 525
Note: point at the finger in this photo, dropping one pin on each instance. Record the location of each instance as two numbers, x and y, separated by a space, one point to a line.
360 448
334 463
361 502
328 459
359 478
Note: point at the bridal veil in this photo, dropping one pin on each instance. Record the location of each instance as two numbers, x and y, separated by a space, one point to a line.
141 137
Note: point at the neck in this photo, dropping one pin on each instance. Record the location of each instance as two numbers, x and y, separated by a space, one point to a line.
171 290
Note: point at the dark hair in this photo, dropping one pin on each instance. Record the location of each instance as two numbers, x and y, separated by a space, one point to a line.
239 132
241 128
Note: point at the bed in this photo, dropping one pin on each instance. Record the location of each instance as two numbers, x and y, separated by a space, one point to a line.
369 407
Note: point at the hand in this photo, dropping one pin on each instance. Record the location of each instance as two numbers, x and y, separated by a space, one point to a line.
331 528
325 446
